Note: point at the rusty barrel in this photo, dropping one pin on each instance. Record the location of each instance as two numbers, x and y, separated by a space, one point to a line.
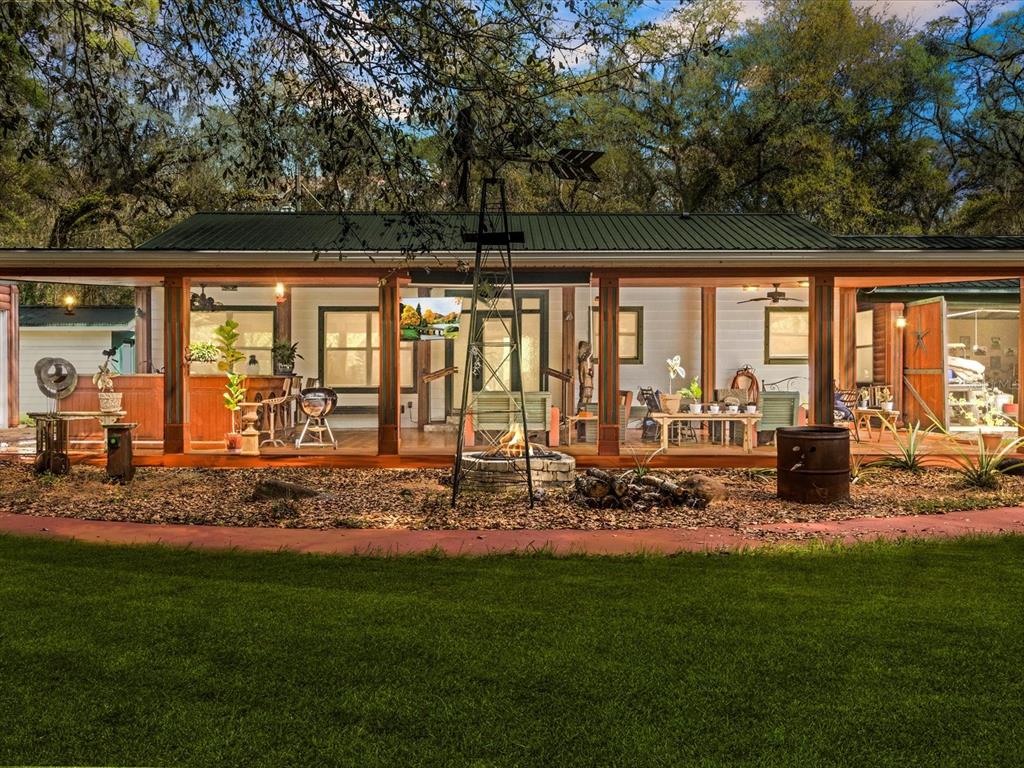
813 464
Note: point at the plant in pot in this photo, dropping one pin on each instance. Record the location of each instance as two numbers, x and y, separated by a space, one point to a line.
234 395
885 396
863 397
203 352
110 401
284 355
695 392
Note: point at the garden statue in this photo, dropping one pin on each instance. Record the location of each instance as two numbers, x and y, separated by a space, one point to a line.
585 373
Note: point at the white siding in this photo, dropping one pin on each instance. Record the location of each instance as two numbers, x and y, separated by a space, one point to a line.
82 347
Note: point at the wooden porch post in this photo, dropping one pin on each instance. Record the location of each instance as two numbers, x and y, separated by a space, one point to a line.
423 367
821 349
708 348
568 364
887 339
389 398
143 329
12 373
283 318
846 375
1020 361
176 333
608 367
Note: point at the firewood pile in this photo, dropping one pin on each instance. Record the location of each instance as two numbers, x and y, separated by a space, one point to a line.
599 489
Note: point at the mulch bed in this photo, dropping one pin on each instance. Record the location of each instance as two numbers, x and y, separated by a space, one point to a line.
419 499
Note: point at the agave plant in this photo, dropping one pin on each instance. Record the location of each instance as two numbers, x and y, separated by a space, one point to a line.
642 462
983 466
908 455
862 468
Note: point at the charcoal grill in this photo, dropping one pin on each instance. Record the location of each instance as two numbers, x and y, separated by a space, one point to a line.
317 403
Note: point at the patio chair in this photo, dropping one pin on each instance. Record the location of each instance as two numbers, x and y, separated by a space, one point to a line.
274 407
778 409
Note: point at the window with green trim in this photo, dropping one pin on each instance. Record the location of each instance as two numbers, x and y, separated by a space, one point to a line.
631 335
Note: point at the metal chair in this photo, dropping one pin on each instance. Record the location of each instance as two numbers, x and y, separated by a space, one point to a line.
271 407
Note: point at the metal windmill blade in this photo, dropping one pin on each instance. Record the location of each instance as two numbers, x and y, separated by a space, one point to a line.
56 378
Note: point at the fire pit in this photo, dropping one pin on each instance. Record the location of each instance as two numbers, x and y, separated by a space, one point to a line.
505 464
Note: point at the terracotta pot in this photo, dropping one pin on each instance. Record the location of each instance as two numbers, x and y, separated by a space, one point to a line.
670 403
110 402
234 441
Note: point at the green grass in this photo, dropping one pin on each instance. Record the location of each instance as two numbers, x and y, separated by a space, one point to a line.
903 654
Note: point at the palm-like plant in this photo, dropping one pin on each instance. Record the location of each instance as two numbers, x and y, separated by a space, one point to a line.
983 467
908 455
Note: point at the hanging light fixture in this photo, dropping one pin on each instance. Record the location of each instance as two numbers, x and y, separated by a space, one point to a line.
69 304
901 322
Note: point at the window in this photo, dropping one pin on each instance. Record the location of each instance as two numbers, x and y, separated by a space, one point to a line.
255 329
631 334
786 334
864 342
350 351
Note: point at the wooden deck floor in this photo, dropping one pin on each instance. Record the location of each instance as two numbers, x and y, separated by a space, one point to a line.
358 448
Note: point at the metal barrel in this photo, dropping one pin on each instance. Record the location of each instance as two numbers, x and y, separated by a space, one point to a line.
813 464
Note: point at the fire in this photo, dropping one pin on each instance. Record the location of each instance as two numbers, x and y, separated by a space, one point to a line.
512 443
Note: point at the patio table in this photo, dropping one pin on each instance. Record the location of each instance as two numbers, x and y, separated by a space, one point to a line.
747 420
863 416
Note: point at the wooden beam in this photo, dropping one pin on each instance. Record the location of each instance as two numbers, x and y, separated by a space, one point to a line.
283 318
821 352
423 364
144 329
389 397
13 359
608 367
1020 361
568 362
846 371
708 348
176 334
887 342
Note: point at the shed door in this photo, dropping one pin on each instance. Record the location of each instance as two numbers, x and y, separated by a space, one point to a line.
924 362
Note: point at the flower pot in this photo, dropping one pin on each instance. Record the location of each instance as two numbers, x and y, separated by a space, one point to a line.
284 370
696 407
234 441
890 406
992 440
670 403
110 402
751 409
732 408
714 408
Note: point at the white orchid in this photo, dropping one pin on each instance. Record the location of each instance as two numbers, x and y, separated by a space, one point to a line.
675 369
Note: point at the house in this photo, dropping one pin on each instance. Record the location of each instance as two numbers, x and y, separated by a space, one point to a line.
806 310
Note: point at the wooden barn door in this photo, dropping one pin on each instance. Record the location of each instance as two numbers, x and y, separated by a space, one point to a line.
924 362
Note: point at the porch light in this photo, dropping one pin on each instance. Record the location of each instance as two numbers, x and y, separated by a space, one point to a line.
901 322
279 293
749 288
69 304
804 283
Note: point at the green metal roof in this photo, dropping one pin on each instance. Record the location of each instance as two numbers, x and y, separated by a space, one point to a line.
976 290
38 316
544 232
443 232
932 242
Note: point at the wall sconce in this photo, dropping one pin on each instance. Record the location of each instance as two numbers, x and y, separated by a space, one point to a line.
804 283
901 322
69 304
749 288
279 293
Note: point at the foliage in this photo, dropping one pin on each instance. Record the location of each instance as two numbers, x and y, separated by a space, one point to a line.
693 390
862 469
227 335
981 466
234 395
203 352
285 354
642 462
908 455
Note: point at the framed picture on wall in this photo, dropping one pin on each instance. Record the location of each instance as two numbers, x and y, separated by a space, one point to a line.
996 343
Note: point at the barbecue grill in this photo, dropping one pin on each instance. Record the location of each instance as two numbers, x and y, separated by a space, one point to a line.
317 403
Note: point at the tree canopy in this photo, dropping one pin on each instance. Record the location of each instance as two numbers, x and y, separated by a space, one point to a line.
119 117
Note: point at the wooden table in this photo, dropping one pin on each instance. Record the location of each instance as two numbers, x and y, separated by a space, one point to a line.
748 420
864 415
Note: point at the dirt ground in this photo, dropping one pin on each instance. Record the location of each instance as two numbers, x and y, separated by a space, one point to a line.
419 499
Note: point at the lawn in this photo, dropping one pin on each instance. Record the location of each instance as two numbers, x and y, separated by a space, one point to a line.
885 654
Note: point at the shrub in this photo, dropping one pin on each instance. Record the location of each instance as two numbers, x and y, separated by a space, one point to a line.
984 466
908 455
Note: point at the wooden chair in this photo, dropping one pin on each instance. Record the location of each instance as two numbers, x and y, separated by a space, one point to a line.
275 409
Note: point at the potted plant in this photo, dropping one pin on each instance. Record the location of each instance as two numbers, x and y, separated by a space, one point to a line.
110 401
227 335
203 352
885 396
284 355
863 397
695 392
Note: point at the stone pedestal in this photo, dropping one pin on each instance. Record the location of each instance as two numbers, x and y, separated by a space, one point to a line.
250 435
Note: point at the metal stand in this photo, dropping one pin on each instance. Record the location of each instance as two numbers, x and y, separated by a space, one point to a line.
493 280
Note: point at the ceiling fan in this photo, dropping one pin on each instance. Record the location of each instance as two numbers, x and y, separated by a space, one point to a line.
775 296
